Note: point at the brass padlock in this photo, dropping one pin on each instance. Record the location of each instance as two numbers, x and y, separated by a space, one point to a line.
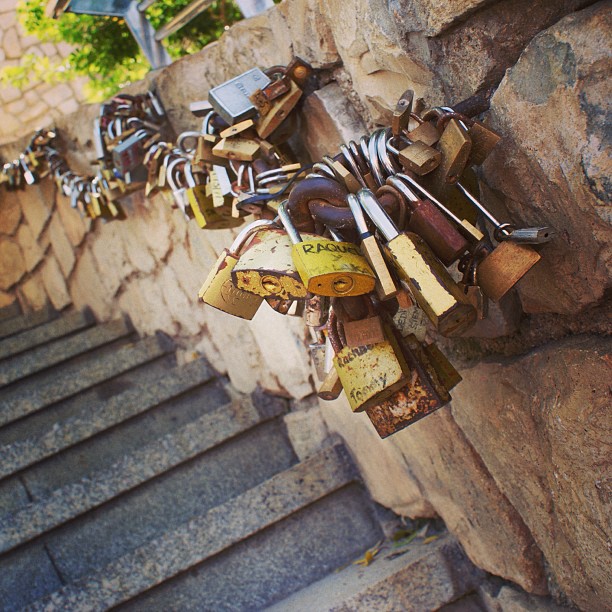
498 272
266 267
202 205
385 285
423 395
327 267
419 158
371 373
429 281
220 291
279 111
455 146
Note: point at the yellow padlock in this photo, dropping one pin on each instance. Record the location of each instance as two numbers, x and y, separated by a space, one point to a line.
327 267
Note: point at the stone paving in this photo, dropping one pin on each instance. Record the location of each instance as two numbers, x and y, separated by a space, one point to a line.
39 103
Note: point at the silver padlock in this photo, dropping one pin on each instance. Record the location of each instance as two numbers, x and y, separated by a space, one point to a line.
130 153
231 99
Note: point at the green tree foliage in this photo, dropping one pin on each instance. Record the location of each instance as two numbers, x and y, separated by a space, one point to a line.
104 49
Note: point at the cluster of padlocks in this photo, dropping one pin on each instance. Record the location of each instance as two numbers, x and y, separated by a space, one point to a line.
379 242
120 150
364 248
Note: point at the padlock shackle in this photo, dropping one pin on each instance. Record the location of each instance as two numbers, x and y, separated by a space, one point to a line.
247 232
332 331
378 214
285 218
360 220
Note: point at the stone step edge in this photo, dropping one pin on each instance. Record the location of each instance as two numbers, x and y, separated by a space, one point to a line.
20 323
148 462
425 577
92 420
81 376
209 534
47 332
10 311
61 350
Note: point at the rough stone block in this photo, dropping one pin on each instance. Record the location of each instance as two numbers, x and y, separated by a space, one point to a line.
74 225
6 299
32 253
474 54
307 431
549 411
132 232
310 35
370 41
54 283
284 351
108 250
10 212
86 288
62 248
381 465
330 121
35 209
32 293
554 172
12 264
143 301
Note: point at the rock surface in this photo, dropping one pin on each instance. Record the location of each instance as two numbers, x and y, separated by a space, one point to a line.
555 172
541 425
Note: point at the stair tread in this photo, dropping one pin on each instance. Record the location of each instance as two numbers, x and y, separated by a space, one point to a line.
204 536
27 397
431 575
46 332
94 417
271 564
10 312
20 323
148 461
43 357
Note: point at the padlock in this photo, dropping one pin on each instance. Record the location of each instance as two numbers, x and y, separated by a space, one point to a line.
129 154
299 71
279 111
178 189
371 373
231 99
266 267
418 157
327 267
430 283
202 205
455 146
499 271
401 114
239 149
385 285
424 394
426 132
429 223
220 291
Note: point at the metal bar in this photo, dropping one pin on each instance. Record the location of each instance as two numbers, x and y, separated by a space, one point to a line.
145 4
145 36
183 18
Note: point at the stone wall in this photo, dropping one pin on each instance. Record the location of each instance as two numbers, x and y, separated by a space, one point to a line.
39 103
518 467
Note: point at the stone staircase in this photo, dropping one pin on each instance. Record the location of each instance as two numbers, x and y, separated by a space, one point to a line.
129 481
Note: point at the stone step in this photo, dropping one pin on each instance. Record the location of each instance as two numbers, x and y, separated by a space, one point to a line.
52 433
53 330
26 397
426 577
18 324
148 459
10 312
51 354
214 531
